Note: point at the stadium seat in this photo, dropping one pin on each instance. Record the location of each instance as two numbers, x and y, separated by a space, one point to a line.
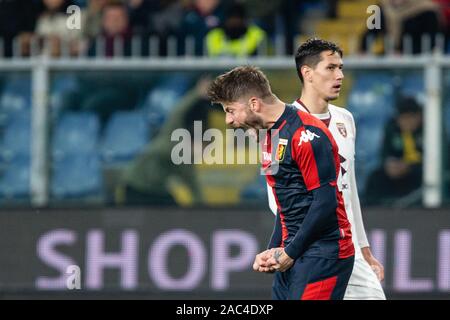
413 85
368 151
161 99
15 182
62 85
76 176
125 136
15 97
17 138
372 96
75 133
447 120
256 191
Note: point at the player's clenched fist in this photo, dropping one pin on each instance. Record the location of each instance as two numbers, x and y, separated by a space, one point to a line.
261 262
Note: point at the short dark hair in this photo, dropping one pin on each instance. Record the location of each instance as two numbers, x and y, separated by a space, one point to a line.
238 83
309 53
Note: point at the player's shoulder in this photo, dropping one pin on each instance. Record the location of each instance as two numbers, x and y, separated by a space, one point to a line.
341 112
308 119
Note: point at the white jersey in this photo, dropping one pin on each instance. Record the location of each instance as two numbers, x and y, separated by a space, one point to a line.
343 130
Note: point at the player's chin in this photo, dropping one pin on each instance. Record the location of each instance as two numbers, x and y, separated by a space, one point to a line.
333 96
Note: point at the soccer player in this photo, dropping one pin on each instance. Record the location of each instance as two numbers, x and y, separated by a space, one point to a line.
319 67
311 246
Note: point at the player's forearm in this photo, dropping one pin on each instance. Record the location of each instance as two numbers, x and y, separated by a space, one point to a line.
276 238
357 215
319 215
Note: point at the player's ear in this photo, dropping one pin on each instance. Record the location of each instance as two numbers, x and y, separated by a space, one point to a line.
254 104
306 72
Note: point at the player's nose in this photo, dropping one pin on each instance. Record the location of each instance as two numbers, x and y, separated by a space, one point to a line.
340 74
228 119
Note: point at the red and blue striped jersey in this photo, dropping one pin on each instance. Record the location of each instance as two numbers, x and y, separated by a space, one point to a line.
300 156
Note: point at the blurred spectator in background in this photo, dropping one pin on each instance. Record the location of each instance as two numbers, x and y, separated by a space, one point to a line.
17 19
445 12
115 34
401 170
413 18
237 37
153 178
92 24
52 30
277 18
140 12
199 18
163 19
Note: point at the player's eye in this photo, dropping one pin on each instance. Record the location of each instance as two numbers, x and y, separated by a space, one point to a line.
330 68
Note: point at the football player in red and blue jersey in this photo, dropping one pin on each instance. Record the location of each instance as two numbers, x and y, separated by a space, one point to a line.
311 248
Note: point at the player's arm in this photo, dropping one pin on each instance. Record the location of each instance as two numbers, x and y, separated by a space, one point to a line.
315 160
321 211
275 239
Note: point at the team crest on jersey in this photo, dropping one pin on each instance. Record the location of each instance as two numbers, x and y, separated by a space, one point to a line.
281 149
341 128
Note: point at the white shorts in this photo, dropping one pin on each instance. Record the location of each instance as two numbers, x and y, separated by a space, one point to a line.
363 283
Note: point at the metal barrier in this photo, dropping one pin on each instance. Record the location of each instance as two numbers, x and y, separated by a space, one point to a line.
172 46
431 64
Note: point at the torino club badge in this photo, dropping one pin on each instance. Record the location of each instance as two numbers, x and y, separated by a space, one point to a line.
341 128
281 150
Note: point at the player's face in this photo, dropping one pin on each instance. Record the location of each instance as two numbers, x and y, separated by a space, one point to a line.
239 115
327 76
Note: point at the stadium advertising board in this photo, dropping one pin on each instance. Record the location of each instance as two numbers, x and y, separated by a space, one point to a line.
196 253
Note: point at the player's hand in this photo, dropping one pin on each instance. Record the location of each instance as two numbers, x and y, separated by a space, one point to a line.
280 260
377 267
261 263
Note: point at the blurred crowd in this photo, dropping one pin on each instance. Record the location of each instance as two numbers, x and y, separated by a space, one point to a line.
197 27
45 21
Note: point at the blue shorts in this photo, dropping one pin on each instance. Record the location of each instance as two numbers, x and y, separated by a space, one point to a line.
312 278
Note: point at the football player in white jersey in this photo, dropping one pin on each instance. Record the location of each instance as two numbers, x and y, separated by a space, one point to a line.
319 66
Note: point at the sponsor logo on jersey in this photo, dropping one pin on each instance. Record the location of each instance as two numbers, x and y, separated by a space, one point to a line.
341 128
307 136
266 156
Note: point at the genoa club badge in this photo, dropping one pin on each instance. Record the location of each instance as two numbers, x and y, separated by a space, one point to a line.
342 130
281 149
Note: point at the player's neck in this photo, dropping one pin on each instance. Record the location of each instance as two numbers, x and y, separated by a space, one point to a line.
273 113
315 104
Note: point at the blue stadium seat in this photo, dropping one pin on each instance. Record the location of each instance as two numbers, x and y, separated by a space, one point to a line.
413 85
76 176
15 97
125 136
61 85
447 120
15 182
161 99
17 138
372 96
369 142
256 191
75 133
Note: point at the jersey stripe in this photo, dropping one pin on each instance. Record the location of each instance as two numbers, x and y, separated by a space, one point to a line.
306 161
284 230
320 290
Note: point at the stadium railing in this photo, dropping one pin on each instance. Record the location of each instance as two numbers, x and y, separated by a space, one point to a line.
431 63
